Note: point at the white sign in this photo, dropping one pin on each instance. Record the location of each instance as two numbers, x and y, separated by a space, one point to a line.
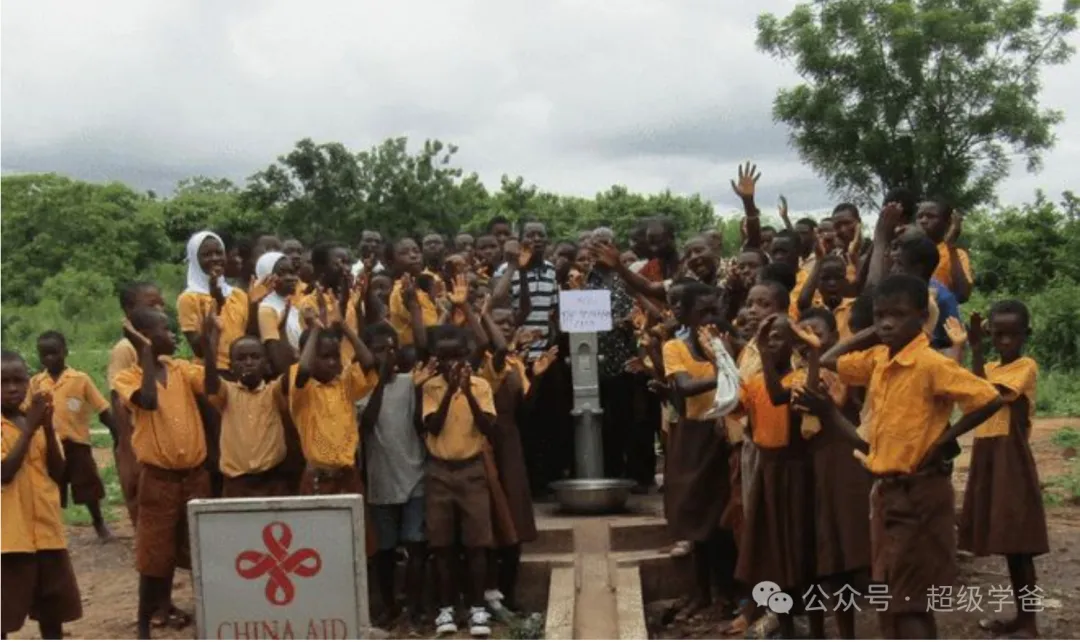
280 568
585 310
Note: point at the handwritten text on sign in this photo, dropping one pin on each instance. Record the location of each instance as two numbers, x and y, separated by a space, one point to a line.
280 568
585 310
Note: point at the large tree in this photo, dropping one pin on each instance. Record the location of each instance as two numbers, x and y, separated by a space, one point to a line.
931 94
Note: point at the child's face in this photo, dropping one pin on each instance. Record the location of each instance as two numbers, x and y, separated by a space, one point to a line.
14 382
327 365
450 352
784 251
1008 333
564 257
149 297
286 276
844 223
583 261
434 248
211 256
502 233
454 265
703 311
806 236
767 238
760 304
464 245
381 286
674 301
294 251
932 220
51 354
897 321
747 266
383 347
306 271
336 266
700 260
487 249
827 234
744 328
162 340
779 343
832 280
504 321
247 361
821 331
407 257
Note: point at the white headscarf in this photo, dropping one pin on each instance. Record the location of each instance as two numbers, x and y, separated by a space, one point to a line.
198 281
264 267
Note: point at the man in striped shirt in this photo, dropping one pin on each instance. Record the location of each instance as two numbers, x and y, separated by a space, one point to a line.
539 275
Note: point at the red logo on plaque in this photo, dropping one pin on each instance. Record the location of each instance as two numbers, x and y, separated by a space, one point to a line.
278 563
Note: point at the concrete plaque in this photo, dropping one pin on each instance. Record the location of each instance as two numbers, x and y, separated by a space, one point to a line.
280 568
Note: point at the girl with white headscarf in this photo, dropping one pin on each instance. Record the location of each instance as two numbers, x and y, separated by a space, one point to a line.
277 302
207 290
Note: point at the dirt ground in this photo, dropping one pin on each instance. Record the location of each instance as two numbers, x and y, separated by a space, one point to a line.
1058 571
108 581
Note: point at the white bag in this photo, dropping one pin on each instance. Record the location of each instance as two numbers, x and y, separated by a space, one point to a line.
727 382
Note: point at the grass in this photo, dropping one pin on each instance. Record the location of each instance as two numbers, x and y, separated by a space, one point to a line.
1058 394
1064 488
110 506
1067 437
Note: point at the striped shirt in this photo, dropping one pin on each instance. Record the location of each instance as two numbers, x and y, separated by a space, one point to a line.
544 296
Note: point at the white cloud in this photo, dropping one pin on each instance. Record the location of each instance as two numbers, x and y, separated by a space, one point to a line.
573 95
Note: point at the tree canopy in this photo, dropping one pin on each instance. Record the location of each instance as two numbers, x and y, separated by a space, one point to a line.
930 94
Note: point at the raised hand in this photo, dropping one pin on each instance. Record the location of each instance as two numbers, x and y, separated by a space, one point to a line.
512 251
892 216
819 246
746 184
137 339
408 291
283 322
544 361
764 331
855 247
955 227
705 335
575 280
524 337
260 289
958 335
977 330
40 411
783 210
422 372
803 333
526 255
606 254
459 295
215 289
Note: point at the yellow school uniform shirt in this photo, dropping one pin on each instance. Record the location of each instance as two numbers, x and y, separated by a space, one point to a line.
811 425
911 397
325 415
1013 380
459 438
252 432
30 517
677 358
399 316
333 315
943 272
495 379
123 356
75 400
192 308
793 303
842 314
172 436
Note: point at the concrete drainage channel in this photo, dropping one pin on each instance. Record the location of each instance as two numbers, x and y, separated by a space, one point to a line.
601 571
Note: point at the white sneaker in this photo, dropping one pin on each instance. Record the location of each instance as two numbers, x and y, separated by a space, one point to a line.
479 622
444 622
494 598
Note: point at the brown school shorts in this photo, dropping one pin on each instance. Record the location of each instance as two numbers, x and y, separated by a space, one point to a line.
81 474
40 586
453 490
337 481
161 534
913 538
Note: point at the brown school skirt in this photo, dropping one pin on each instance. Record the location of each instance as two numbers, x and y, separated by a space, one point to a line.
912 537
502 518
841 506
40 586
161 534
81 474
697 483
508 459
1003 510
777 543
453 489
270 483
339 481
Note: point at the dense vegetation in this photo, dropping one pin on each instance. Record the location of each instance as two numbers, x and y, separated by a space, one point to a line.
69 245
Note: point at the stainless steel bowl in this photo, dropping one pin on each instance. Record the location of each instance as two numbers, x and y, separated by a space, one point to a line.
592 496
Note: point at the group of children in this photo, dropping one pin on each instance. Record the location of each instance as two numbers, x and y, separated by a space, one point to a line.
411 375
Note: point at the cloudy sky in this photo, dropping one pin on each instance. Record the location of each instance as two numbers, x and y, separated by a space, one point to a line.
573 95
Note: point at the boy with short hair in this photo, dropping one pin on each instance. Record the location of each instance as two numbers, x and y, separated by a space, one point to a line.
911 392
458 410
36 577
169 441
75 396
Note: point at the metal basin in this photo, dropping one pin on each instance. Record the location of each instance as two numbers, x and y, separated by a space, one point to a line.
592 496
